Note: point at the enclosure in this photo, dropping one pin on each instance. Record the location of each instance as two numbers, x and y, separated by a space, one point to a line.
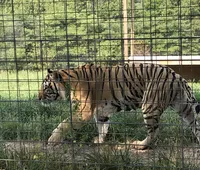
60 34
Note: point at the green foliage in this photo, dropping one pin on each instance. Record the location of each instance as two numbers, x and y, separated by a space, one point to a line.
22 85
36 33
170 25
30 120
53 29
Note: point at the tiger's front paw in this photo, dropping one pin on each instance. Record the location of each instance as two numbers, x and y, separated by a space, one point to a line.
55 138
139 145
98 139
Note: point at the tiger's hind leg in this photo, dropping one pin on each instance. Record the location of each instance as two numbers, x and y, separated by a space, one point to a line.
152 109
188 112
151 120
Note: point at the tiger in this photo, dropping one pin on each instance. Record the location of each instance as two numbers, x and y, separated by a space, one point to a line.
101 91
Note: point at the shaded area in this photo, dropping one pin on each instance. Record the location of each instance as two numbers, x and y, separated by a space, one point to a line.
189 72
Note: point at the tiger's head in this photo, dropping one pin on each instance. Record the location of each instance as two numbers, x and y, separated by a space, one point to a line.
52 88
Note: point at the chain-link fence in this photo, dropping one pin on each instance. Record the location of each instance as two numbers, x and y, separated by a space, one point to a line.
36 35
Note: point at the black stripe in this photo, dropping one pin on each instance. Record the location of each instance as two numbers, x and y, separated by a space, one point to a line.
149 117
88 82
175 95
67 74
131 91
91 73
188 112
103 81
102 118
150 129
139 78
125 79
154 74
126 68
77 75
185 108
111 85
150 89
118 106
141 69
121 89
83 71
132 78
157 84
171 84
55 87
158 81
147 73
116 74
166 78
133 68
173 78
151 70
150 110
160 74
192 122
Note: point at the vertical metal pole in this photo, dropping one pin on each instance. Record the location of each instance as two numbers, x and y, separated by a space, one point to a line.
132 28
125 22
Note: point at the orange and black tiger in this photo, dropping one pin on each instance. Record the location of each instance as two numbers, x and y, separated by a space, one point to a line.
101 91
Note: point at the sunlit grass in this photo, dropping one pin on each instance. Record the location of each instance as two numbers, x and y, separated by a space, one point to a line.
20 85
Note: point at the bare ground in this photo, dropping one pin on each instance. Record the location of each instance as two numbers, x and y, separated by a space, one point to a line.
74 152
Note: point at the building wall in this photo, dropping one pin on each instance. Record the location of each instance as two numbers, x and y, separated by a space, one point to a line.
189 72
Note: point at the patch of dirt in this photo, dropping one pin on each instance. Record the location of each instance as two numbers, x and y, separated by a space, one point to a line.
76 152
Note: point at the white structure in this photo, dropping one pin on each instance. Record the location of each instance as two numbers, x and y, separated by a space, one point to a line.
167 60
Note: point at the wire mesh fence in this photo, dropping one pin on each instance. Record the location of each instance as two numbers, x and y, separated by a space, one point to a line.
48 96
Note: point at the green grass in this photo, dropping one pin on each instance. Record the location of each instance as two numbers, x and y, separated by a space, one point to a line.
196 90
21 85
24 118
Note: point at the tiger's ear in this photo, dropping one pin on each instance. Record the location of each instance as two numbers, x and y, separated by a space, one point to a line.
57 77
49 70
